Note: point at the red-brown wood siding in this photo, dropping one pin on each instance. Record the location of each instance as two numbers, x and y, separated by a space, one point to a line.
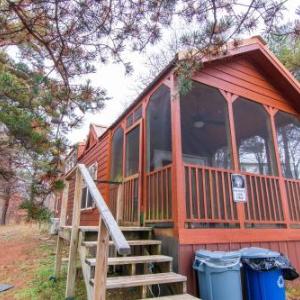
243 77
187 253
97 153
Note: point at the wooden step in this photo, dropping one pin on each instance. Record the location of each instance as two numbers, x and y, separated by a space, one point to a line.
175 297
128 260
142 280
90 244
122 228
135 228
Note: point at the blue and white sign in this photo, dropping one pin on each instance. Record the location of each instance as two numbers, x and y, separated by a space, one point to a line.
239 189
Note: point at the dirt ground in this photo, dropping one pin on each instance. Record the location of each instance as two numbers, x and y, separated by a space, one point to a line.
20 254
22 249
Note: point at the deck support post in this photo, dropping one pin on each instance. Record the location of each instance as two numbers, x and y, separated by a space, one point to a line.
230 98
282 188
58 256
179 208
101 265
62 222
71 277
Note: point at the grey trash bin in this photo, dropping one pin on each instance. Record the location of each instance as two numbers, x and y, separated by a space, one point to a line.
218 274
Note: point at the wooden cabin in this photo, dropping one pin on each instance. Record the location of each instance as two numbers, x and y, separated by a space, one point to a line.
167 161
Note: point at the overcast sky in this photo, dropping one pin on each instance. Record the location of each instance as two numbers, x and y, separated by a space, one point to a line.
122 88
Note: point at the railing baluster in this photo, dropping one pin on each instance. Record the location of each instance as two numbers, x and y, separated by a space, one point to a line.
273 200
218 195
204 193
295 201
224 197
190 193
230 197
290 200
279 197
212 202
167 192
297 189
263 201
197 192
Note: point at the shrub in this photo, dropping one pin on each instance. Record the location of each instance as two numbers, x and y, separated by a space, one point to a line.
36 211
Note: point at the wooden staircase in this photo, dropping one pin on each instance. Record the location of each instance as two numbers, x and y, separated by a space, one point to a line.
118 263
143 274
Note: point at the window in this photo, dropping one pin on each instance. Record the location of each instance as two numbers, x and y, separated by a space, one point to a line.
254 138
138 113
159 143
205 130
134 116
132 151
288 138
86 197
117 155
129 120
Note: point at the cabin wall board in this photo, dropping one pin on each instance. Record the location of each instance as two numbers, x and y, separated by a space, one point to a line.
187 253
244 77
99 153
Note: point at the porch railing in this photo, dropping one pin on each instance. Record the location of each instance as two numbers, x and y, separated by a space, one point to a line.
209 201
158 202
293 196
107 227
130 212
208 196
264 201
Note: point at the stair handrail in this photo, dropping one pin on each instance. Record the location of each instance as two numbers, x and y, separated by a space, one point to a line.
107 227
113 228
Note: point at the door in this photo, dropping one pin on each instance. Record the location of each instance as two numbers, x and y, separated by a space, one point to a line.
132 178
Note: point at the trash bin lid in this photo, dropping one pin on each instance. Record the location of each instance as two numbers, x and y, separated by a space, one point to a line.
255 252
218 259
217 255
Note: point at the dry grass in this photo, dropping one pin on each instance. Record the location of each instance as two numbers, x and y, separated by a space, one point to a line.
27 255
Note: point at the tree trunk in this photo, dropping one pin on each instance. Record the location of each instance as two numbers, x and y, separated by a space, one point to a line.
3 209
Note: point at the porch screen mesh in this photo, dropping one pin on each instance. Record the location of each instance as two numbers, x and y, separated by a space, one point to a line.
205 127
159 145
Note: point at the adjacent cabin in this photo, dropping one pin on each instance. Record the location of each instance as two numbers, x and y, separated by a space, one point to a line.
167 161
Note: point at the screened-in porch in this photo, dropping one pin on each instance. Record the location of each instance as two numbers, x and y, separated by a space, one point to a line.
198 140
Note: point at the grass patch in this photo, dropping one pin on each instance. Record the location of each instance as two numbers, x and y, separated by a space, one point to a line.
293 291
43 286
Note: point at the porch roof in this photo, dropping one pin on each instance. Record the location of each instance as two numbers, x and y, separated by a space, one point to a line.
255 48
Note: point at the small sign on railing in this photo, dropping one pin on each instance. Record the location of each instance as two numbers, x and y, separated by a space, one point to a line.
239 189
